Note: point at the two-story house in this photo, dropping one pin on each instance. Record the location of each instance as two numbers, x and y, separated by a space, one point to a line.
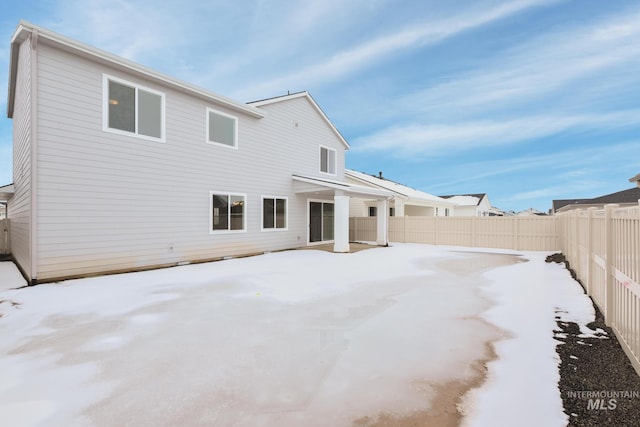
118 167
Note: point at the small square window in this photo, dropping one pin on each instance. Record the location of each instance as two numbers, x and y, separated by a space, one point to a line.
373 211
222 129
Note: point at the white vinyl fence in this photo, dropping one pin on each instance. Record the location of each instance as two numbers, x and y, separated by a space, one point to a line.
534 233
603 247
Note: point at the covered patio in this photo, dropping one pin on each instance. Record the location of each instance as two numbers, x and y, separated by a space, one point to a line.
337 193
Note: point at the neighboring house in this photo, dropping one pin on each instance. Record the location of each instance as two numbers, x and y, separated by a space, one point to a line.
531 212
406 202
6 192
471 204
118 167
624 198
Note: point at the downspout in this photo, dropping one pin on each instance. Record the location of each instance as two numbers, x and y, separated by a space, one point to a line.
34 157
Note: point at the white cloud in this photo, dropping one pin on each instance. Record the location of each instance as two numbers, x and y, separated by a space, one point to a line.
356 58
537 68
429 140
559 165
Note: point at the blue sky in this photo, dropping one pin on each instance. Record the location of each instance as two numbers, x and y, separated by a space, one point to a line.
526 100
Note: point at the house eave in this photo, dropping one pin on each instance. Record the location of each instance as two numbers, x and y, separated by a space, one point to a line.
6 192
20 35
47 36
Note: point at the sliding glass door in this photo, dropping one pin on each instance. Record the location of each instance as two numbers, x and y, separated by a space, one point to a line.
320 221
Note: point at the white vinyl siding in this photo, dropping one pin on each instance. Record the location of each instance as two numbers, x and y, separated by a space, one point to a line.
106 204
274 213
228 212
133 109
327 160
222 129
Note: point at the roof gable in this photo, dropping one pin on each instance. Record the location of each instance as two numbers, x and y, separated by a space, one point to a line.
307 95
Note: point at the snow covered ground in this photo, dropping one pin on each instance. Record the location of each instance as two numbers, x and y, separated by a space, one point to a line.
292 338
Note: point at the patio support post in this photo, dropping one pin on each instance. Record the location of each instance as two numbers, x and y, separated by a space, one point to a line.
341 223
382 235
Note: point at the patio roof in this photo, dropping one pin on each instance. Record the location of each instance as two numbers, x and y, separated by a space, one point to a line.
312 185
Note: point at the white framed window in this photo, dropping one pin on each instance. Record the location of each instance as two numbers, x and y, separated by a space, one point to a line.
227 212
222 129
327 160
274 213
131 109
373 211
392 211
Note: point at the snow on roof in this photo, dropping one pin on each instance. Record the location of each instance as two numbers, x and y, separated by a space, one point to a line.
397 188
464 200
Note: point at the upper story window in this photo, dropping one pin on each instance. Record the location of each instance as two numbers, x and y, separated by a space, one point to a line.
327 160
222 129
133 109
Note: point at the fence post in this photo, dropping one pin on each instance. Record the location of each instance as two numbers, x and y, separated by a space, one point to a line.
355 228
474 230
609 254
435 224
516 230
404 229
590 260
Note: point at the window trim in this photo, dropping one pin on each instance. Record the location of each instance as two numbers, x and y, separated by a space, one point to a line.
286 214
244 212
209 110
105 109
335 161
